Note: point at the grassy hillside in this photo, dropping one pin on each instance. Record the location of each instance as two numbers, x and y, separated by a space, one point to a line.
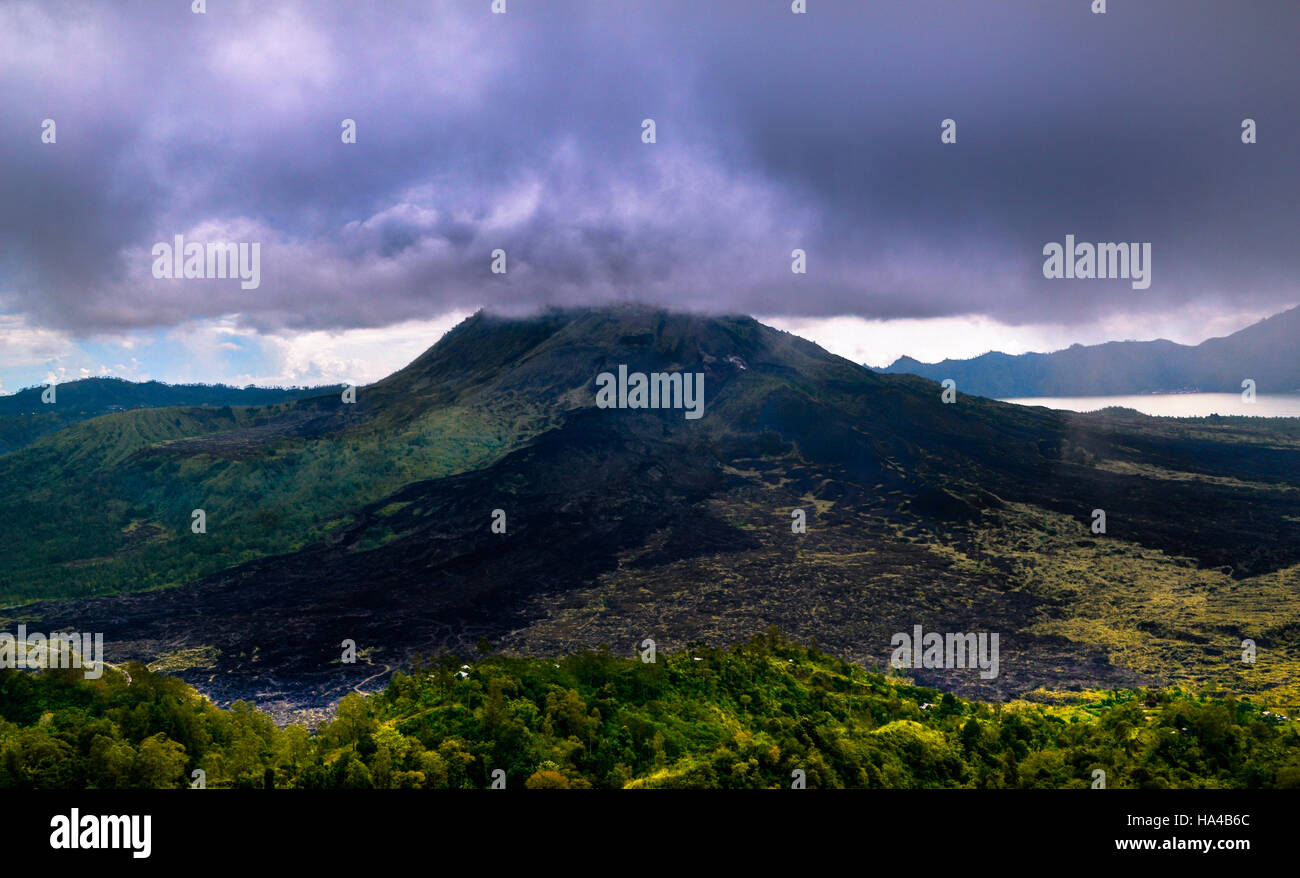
748 717
105 506
24 418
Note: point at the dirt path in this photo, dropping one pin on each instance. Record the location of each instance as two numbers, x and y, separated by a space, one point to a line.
357 688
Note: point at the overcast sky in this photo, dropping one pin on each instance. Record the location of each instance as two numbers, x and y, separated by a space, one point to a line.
523 131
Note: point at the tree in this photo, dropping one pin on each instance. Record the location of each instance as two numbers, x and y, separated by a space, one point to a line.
160 762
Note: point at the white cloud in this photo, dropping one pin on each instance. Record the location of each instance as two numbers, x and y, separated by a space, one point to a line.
280 55
24 345
359 356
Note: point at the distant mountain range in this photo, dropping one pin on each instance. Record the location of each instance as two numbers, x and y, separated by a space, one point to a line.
1267 352
24 418
815 495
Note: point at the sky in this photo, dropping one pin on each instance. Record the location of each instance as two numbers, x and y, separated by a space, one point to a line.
523 132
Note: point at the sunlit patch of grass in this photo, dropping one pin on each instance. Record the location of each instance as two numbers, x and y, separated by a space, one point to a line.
1157 614
185 659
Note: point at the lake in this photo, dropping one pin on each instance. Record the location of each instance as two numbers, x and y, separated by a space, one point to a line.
1178 405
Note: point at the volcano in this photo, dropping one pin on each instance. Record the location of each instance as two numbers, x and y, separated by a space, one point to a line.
480 498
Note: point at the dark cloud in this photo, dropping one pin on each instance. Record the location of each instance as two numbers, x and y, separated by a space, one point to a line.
775 131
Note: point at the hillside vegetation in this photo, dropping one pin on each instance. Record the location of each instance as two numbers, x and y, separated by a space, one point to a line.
25 417
747 717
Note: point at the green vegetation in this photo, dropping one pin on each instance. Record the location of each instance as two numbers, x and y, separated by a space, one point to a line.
740 718
25 417
104 506
1160 615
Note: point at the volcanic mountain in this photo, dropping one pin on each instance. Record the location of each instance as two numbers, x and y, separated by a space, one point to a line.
373 522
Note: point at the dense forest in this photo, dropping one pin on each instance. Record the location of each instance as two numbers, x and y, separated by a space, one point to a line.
748 717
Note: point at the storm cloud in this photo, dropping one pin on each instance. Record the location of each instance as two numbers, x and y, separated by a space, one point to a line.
522 131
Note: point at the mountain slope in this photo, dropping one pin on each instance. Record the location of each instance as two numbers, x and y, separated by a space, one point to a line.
372 522
24 418
1266 352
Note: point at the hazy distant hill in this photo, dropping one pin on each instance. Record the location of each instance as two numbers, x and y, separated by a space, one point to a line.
371 521
1267 352
25 418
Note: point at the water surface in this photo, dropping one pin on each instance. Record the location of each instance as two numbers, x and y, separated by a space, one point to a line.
1178 405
